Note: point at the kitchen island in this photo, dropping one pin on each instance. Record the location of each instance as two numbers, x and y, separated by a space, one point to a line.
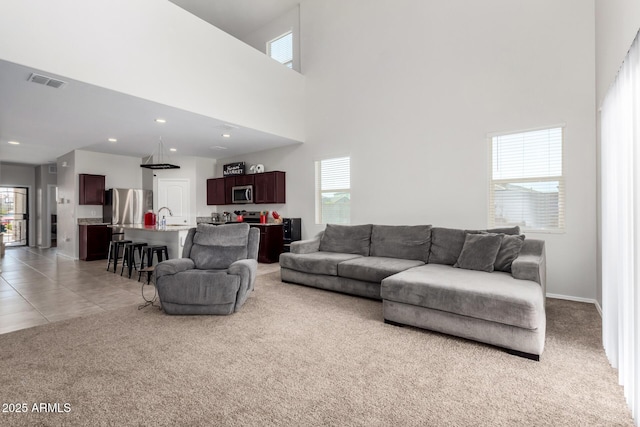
172 236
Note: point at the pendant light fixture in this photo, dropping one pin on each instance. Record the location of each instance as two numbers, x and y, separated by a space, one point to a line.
160 159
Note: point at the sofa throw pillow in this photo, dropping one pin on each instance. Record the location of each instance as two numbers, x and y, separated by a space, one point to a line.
401 241
218 246
479 252
446 245
513 231
509 251
502 230
346 239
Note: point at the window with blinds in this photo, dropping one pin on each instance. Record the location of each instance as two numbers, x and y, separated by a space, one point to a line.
281 49
527 182
333 191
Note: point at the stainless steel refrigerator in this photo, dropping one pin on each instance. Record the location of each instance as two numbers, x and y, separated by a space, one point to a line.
126 205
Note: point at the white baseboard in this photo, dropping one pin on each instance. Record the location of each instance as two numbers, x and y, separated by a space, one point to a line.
577 299
598 308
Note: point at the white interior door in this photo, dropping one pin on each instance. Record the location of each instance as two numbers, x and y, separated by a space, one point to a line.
174 194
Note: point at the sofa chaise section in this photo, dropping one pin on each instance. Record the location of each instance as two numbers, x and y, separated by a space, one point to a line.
484 285
495 308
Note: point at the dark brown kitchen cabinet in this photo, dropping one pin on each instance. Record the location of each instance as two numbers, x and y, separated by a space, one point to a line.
91 189
229 183
219 190
216 192
269 187
271 245
94 241
243 180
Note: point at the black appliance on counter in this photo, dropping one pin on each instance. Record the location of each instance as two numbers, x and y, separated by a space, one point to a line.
252 217
292 229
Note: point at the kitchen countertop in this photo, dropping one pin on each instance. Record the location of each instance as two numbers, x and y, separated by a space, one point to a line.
152 228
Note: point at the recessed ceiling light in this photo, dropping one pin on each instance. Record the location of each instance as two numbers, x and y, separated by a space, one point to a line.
173 149
218 147
112 140
161 121
14 143
226 135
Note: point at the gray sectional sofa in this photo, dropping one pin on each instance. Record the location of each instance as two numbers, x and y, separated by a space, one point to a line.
483 285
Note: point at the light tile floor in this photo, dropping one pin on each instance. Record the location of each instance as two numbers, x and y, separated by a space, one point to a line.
37 286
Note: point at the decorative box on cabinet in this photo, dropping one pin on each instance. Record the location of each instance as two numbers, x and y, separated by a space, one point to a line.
91 189
94 241
269 187
271 245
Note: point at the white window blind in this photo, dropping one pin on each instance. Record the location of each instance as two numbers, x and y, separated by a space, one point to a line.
333 191
527 183
281 49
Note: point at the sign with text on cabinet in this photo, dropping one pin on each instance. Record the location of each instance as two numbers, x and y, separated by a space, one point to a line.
232 169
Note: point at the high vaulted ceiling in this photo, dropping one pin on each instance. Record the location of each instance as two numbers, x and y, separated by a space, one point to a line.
51 122
238 17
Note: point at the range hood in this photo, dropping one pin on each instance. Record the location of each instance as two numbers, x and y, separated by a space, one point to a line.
159 166
159 155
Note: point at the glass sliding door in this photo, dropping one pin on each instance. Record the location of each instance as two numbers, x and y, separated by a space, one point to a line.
14 215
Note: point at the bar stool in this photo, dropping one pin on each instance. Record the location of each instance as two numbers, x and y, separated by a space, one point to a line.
161 253
129 256
114 252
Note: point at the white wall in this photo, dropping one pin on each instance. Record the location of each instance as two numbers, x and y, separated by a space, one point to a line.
290 21
13 175
410 91
617 23
157 51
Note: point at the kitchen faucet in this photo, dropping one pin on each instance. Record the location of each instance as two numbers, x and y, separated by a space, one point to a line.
163 221
164 207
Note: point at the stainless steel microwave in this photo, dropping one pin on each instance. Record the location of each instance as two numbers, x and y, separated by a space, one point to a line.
242 194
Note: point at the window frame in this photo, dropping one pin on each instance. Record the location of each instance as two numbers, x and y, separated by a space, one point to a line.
319 220
562 196
288 64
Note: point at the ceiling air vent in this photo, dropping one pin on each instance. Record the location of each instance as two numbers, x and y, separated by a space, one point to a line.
226 126
47 81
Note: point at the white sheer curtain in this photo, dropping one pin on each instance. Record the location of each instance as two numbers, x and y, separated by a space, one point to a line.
620 184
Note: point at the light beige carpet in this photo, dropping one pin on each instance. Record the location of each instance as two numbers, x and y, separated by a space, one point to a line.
298 356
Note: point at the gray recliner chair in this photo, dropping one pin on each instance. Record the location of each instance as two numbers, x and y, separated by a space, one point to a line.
216 273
